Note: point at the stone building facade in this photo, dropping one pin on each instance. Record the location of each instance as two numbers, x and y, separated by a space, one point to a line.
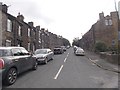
105 30
14 31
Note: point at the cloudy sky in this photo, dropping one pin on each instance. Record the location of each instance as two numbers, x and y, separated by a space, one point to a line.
68 18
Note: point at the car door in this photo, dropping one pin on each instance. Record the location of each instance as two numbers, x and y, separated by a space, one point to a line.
28 60
50 54
18 59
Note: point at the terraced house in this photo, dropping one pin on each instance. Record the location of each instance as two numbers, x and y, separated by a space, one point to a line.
105 30
16 32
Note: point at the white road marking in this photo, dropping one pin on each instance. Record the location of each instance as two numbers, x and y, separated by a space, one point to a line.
56 76
93 64
67 54
58 72
66 57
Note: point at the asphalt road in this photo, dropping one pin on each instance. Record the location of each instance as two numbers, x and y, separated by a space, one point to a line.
67 71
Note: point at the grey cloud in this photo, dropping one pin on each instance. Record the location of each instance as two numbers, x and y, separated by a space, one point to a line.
28 9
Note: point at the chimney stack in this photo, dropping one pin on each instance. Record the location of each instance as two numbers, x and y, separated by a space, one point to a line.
20 17
4 8
31 24
101 16
38 27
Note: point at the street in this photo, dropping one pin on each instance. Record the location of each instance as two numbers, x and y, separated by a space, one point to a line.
67 71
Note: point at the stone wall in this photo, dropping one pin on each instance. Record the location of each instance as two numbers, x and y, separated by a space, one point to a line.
112 58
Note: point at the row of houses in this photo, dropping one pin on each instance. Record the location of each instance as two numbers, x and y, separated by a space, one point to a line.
14 31
105 30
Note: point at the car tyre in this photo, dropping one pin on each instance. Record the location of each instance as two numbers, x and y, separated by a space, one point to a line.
52 58
11 77
46 61
35 65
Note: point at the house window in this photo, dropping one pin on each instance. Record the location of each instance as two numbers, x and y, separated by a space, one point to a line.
106 22
8 43
9 25
33 47
33 32
110 22
19 43
28 46
19 30
28 32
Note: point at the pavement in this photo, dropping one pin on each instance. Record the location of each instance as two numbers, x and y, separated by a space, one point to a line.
95 58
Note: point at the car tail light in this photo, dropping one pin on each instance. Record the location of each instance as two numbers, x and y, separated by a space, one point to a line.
1 63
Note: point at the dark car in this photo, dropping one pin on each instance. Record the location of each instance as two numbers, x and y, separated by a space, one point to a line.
13 61
58 50
64 48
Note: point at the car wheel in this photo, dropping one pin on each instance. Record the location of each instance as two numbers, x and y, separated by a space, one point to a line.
46 61
11 76
52 58
35 65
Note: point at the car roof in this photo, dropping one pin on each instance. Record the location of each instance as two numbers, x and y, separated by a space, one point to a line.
10 47
44 49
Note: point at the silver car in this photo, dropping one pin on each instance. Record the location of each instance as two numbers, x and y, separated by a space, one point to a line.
79 51
43 55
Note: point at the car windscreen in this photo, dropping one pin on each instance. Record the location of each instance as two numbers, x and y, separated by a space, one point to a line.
57 49
4 53
41 51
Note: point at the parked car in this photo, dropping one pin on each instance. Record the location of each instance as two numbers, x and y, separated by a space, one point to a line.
75 48
44 55
68 47
58 50
79 51
13 61
64 48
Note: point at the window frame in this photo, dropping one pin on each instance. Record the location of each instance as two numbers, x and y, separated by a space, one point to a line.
9 25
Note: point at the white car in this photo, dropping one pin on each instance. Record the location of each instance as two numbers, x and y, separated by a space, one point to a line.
79 51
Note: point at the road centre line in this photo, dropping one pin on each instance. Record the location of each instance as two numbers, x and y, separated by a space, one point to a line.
66 58
67 54
58 72
56 76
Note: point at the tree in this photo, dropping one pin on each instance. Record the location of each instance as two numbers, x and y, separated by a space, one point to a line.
66 42
76 42
100 46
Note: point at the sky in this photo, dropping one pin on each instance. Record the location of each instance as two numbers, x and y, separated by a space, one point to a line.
68 18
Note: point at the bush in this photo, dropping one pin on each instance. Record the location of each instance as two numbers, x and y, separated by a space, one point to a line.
100 47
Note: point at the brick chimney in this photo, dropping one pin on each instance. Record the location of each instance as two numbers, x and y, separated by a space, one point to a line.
38 27
42 29
20 17
4 8
31 24
101 16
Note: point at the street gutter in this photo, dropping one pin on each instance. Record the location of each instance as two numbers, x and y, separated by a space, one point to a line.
100 66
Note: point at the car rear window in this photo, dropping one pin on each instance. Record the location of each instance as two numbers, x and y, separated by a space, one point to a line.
42 51
4 53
